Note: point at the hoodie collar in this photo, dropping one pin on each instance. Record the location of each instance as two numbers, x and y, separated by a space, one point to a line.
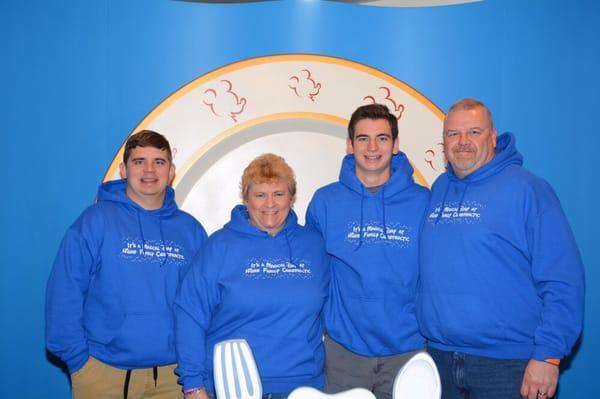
400 177
240 222
115 191
506 154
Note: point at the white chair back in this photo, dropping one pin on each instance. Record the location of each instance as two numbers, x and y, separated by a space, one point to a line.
418 379
235 372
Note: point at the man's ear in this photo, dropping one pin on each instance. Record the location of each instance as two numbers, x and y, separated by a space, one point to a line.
122 170
494 136
349 147
171 173
396 146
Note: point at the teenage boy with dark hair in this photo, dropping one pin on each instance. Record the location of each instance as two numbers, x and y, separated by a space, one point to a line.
370 222
110 294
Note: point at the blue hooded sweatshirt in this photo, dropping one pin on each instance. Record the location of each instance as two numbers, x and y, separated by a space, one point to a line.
501 275
114 280
269 290
372 239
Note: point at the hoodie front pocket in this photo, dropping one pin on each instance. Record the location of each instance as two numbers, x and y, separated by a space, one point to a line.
462 320
146 338
288 357
101 327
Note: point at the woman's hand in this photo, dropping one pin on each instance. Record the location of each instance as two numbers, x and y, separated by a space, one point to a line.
197 394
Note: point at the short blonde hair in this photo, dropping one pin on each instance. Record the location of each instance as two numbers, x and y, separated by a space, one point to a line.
267 168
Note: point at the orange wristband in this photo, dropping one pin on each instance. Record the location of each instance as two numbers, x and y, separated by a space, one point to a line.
555 362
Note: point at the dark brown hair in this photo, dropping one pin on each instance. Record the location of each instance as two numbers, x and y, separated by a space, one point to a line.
372 111
146 138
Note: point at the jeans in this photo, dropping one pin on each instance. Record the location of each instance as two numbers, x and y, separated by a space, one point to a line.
466 376
346 370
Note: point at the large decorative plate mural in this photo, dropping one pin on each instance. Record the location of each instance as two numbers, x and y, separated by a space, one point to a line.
296 106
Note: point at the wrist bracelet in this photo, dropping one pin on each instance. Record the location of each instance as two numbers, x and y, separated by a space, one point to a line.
192 390
555 362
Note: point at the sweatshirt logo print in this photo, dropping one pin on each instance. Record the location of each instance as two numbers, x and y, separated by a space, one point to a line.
373 233
265 268
469 213
153 251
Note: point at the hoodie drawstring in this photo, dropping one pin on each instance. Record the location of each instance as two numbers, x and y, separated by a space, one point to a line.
439 216
139 219
384 221
460 202
126 384
162 242
462 197
287 240
128 380
383 213
162 237
360 232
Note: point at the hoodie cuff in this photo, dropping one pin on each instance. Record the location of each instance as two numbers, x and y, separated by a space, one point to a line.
542 353
193 382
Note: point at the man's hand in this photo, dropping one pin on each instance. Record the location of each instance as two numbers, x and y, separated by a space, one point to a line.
539 380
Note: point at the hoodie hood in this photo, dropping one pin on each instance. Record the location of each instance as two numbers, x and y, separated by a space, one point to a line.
116 191
506 154
240 222
373 241
401 175
400 179
500 273
246 284
114 281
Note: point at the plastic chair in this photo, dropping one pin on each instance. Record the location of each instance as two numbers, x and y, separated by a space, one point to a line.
312 393
418 379
235 372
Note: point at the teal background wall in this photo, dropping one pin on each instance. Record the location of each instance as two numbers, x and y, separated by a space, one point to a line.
77 76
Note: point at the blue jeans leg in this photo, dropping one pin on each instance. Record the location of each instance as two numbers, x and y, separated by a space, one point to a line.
475 377
452 388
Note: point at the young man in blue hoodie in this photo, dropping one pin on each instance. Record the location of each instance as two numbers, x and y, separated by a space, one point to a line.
112 287
370 221
501 283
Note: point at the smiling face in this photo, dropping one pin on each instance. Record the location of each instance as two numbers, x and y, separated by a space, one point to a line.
469 140
269 205
373 147
148 172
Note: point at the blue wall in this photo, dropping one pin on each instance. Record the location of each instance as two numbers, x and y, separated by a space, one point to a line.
76 77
